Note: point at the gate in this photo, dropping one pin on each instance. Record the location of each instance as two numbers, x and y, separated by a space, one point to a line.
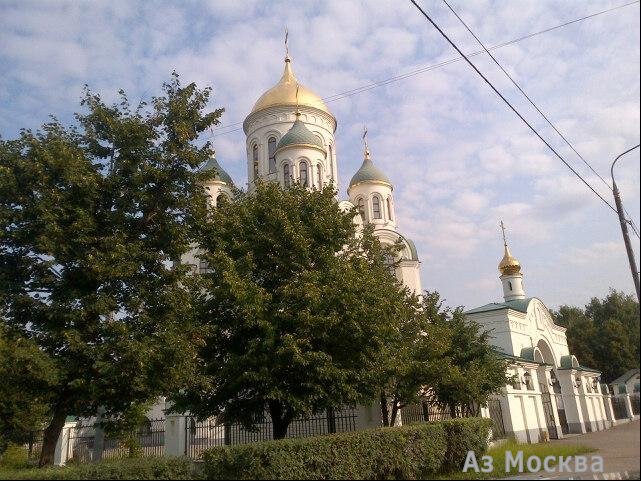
496 415
548 411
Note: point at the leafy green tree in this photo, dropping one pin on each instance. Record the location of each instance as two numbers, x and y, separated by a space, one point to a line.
415 351
91 218
469 371
605 334
580 331
294 315
25 410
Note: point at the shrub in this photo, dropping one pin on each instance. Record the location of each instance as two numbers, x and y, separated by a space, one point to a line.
14 457
142 468
463 435
407 452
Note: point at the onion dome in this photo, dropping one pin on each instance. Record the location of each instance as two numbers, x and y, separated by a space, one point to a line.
509 265
221 175
284 93
300 136
369 173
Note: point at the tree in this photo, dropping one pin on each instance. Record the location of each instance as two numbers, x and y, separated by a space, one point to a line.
91 218
605 334
469 371
25 410
294 315
580 333
415 351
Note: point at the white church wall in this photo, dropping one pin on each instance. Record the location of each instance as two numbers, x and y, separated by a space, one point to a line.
497 323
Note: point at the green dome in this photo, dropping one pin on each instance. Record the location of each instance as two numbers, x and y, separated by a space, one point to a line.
299 134
369 173
221 175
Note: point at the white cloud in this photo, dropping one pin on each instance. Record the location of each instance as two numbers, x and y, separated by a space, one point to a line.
459 158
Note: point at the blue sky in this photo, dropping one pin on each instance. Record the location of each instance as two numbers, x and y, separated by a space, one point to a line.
459 159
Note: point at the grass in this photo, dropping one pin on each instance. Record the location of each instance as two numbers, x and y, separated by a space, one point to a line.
498 454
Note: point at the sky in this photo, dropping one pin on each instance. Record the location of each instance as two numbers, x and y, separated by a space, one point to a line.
459 159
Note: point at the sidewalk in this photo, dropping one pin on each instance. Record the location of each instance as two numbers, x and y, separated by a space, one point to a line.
619 447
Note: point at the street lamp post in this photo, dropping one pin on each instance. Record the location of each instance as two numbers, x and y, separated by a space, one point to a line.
624 225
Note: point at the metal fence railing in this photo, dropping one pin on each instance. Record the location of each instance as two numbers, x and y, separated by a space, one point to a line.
424 413
634 400
148 440
202 435
496 415
618 406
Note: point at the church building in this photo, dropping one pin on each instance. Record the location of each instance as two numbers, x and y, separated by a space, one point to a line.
290 138
551 395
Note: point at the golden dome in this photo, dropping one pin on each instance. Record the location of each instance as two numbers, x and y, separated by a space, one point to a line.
509 265
284 93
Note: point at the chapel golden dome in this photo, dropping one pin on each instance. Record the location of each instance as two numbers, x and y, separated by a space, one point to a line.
284 93
509 265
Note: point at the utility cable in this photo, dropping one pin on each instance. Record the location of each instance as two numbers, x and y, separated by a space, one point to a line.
364 88
514 82
444 35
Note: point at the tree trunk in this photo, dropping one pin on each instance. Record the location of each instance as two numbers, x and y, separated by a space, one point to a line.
384 410
281 419
453 410
50 438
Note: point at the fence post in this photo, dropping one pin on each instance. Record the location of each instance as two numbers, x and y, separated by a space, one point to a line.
175 434
99 437
62 445
628 405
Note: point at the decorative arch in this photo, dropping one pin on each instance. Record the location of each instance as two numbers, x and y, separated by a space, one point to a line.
546 352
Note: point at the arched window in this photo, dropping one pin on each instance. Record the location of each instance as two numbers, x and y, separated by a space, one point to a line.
303 174
390 262
376 207
255 159
389 208
221 199
509 285
331 162
271 151
286 175
319 177
361 208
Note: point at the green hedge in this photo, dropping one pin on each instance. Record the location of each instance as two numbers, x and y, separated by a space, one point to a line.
139 468
408 452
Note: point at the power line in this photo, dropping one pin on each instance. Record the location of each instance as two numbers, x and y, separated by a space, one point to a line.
364 88
514 82
510 105
526 95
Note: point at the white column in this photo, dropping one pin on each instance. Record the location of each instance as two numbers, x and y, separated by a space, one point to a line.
571 401
62 445
175 431
609 410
